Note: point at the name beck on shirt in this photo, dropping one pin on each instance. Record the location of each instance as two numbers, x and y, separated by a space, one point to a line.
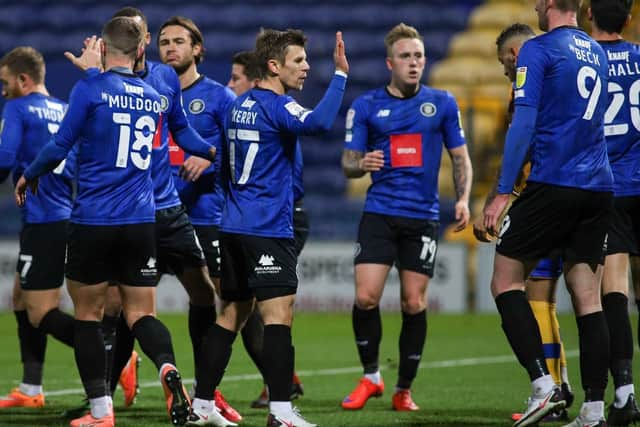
582 50
619 64
53 112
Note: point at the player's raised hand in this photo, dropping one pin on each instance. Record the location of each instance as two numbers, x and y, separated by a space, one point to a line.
339 55
91 57
372 161
462 215
20 191
493 211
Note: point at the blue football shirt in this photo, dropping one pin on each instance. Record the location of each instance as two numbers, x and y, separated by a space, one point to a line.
622 117
563 75
27 125
112 118
411 133
207 103
262 130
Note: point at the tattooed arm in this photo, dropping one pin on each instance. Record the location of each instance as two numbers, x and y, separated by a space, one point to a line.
356 163
462 177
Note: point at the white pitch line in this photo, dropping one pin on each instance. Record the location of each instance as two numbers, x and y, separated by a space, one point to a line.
452 363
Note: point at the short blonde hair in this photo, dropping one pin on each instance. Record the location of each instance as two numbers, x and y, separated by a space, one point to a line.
399 32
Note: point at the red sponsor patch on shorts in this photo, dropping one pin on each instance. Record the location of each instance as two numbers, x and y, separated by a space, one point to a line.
176 154
406 150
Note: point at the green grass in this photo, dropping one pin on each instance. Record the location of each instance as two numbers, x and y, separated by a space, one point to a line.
482 392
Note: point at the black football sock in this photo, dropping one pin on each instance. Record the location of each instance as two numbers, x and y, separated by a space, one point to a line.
109 324
201 318
252 338
124 343
278 355
520 327
33 345
367 328
155 340
412 338
594 354
90 357
59 325
615 307
215 355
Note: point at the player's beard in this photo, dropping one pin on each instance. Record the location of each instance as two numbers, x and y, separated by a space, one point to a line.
181 68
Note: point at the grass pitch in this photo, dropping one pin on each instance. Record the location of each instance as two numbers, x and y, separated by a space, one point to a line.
468 375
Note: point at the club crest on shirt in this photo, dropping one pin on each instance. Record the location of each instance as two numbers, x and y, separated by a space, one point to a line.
196 106
164 103
521 77
428 109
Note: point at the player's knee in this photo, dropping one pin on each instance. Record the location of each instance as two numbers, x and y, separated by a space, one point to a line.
586 300
35 316
132 316
234 314
366 300
199 286
89 312
413 305
17 301
499 286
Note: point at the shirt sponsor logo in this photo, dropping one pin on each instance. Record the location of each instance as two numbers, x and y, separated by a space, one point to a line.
176 154
248 103
585 44
267 265
138 90
428 109
406 150
53 105
618 56
521 77
196 106
151 269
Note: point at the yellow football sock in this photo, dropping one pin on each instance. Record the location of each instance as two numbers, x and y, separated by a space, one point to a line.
545 313
564 375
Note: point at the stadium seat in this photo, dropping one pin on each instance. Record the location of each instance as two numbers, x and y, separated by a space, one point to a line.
501 15
229 27
480 43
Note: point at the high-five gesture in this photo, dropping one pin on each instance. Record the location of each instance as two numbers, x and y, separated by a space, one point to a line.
91 57
339 55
